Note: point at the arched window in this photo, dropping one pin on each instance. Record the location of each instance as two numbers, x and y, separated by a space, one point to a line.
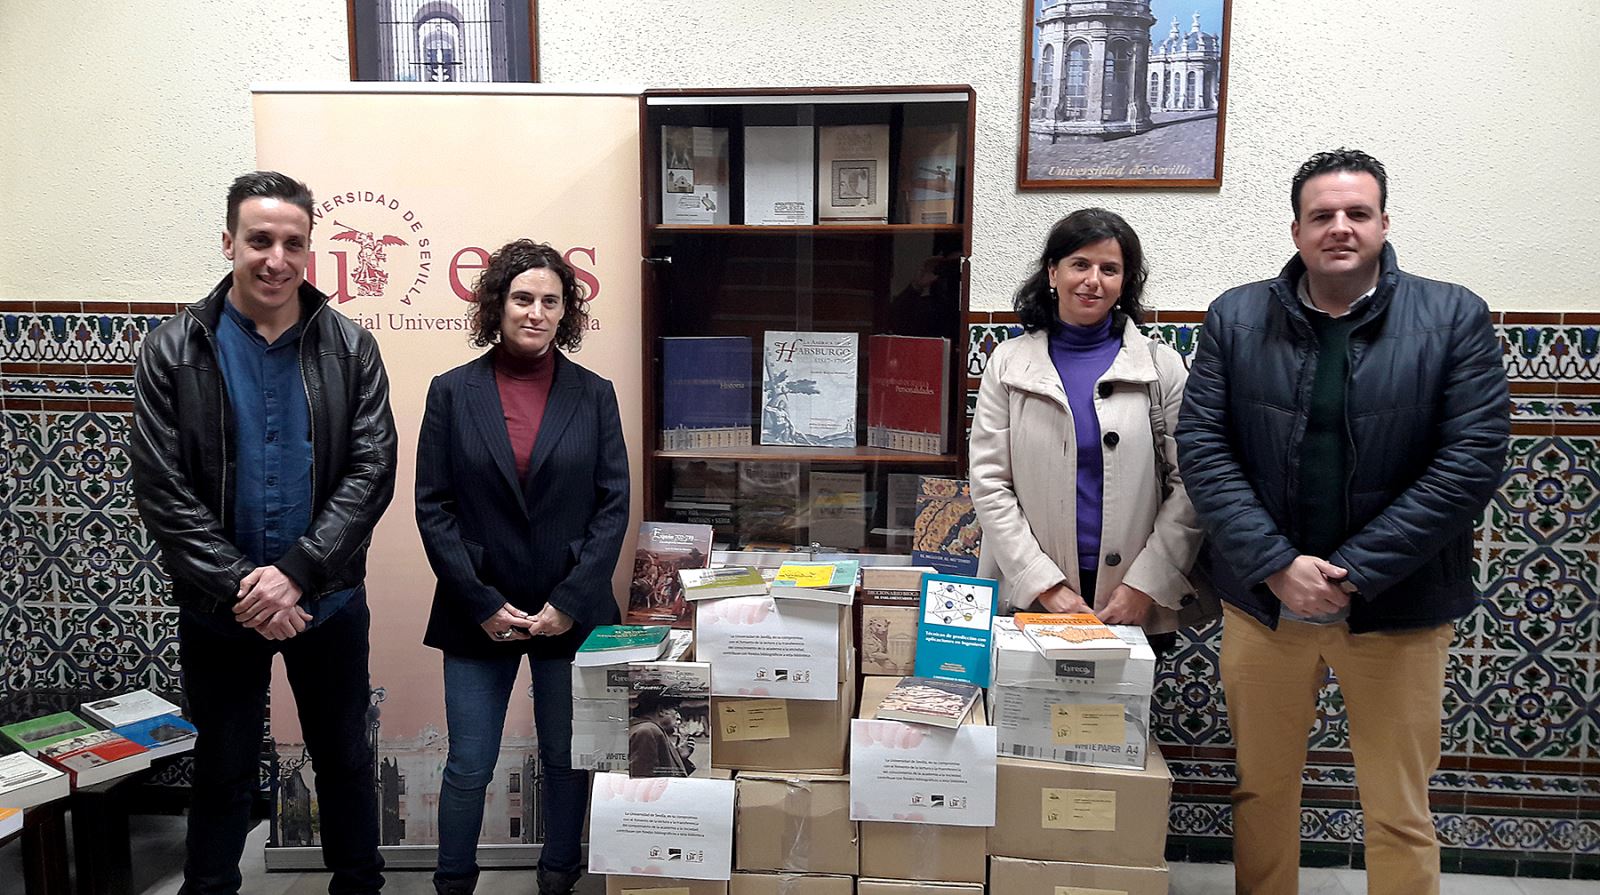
439 40
1047 71
1076 90
1114 81
1188 92
1155 90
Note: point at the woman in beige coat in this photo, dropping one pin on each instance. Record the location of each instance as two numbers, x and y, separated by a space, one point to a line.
1064 470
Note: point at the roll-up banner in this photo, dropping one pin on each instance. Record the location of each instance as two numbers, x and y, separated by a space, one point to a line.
414 189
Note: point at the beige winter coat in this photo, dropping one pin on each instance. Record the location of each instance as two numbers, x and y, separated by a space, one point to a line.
1024 479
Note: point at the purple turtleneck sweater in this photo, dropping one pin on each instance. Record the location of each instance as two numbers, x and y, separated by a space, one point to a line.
1082 354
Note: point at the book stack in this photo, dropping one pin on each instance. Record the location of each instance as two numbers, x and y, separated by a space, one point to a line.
600 694
655 596
886 618
146 719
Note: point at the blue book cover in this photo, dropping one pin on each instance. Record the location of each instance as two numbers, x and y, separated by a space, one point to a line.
953 634
166 733
706 399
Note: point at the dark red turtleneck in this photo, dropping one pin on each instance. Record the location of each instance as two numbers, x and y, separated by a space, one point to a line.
524 385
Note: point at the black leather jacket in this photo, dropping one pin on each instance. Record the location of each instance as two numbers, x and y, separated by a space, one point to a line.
183 454
1427 421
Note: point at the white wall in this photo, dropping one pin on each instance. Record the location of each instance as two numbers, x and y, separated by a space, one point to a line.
121 124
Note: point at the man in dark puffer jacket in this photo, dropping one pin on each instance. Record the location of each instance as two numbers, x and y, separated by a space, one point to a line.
1343 426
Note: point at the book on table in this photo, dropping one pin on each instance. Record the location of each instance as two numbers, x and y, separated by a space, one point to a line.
37 733
1071 635
619 644
161 736
26 781
923 700
826 582
96 757
669 719
726 581
956 628
126 708
655 596
946 534
10 822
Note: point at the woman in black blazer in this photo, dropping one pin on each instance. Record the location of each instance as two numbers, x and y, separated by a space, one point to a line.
522 499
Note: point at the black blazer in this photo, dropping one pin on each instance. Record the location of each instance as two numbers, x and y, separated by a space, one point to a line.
492 540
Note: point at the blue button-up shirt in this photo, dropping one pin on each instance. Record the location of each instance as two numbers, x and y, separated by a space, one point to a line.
272 438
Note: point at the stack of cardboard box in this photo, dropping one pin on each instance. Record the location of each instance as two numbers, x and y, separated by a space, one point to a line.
794 835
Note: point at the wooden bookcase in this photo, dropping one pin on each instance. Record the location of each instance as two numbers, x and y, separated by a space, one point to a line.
739 280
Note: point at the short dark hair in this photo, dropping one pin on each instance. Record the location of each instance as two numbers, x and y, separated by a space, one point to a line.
267 185
1340 159
511 261
649 702
1033 302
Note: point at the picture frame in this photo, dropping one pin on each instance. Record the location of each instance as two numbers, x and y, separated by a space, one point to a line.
463 41
1157 121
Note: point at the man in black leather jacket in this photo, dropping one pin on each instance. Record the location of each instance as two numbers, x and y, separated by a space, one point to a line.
1344 425
263 455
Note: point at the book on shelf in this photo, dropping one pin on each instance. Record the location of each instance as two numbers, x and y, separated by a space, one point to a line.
703 493
823 582
928 179
808 388
778 172
618 644
36 733
907 390
161 736
10 822
126 708
656 595
900 512
953 634
853 174
727 581
706 399
694 175
767 515
838 509
946 534
96 757
669 719
923 700
26 781
1071 635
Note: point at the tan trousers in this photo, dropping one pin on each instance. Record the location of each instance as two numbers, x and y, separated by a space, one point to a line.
1393 686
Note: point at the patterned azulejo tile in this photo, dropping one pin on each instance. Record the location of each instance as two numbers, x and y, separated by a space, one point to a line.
1550 493
1521 706
981 341
74 338
1543 352
1539 599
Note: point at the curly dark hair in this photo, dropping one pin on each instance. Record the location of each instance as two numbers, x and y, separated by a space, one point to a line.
1035 304
506 264
1340 159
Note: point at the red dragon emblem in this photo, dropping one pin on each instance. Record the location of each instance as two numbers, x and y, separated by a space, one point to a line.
370 277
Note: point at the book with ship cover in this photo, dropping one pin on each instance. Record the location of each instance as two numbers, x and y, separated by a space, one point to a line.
669 719
808 388
922 700
619 644
655 596
706 396
1071 635
694 175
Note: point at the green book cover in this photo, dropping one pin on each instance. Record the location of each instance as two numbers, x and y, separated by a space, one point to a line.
37 733
610 637
741 577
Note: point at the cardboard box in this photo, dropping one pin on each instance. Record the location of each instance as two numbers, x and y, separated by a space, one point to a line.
661 825
1081 727
888 639
1061 812
926 852
629 885
798 823
1016 663
915 887
782 734
790 884
1017 877
784 648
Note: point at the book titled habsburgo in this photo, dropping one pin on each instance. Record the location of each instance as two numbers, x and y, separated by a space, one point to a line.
808 388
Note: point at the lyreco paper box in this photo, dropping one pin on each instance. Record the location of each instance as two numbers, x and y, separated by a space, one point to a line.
887 638
915 887
1061 812
761 646
655 885
927 852
1077 726
1016 663
1018 877
789 884
795 822
782 734
669 826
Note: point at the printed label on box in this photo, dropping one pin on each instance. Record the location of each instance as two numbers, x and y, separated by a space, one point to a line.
684 890
916 773
1079 809
678 827
758 646
754 719
1080 890
1075 723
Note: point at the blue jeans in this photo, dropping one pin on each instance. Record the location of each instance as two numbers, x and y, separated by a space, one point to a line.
226 674
476 694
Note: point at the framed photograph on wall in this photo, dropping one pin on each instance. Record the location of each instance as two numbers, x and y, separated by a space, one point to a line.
1131 93
443 40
